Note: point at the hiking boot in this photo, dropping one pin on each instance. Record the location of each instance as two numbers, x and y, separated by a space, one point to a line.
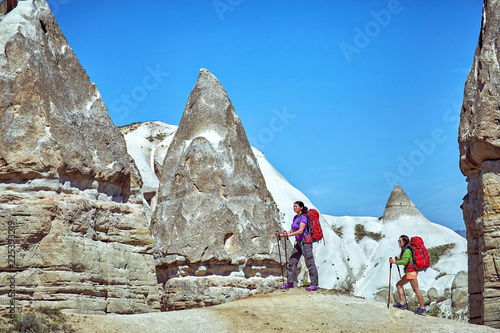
312 288
420 311
287 286
399 306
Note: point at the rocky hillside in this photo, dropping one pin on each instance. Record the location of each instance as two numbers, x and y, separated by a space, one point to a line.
189 219
356 251
369 241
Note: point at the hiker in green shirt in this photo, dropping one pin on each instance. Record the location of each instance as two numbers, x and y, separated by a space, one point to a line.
410 274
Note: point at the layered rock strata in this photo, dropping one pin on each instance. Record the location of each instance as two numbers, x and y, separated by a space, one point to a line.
70 194
215 219
479 141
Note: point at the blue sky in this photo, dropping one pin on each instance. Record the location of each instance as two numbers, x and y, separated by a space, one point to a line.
345 98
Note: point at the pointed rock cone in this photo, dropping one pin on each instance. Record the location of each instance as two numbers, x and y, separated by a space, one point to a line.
215 219
53 119
399 207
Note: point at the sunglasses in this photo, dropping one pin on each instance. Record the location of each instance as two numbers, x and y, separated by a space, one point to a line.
400 241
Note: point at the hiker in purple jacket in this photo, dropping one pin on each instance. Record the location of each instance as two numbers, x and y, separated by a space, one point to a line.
300 248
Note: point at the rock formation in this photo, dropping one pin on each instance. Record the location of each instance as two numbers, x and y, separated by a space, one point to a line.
400 206
215 219
69 191
479 141
459 291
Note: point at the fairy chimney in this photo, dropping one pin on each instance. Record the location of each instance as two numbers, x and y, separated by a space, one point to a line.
215 219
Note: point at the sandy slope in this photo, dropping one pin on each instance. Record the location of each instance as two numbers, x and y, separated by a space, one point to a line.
295 310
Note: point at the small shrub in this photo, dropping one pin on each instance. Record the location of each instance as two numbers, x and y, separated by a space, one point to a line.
30 323
360 232
435 312
338 231
39 320
437 251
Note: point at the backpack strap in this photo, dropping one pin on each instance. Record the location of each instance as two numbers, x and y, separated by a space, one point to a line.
308 227
308 223
411 263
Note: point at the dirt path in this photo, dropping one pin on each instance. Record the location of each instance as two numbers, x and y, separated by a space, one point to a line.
295 310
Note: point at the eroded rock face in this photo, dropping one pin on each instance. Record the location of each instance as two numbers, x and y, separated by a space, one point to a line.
68 187
479 141
215 216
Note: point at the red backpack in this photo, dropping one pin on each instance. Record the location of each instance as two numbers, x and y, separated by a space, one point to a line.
421 259
314 232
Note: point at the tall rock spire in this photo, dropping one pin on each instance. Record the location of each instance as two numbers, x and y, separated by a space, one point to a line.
479 144
215 219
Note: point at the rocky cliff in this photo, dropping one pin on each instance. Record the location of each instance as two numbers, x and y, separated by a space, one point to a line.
215 219
479 141
69 192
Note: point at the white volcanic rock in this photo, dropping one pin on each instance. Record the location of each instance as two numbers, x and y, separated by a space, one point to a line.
68 188
334 270
148 143
370 241
215 215
361 267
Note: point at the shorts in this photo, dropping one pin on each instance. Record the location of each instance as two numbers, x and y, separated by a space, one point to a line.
411 275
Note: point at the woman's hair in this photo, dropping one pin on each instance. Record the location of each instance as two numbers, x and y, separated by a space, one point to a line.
406 241
301 205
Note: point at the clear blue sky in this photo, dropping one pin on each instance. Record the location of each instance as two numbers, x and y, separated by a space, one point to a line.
345 98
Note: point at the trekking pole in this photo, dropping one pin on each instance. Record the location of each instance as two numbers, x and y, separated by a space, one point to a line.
286 258
281 265
389 296
404 294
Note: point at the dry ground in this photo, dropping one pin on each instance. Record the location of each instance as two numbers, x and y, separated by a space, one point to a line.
296 310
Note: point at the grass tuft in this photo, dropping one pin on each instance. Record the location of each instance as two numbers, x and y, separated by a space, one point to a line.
338 231
360 232
437 251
